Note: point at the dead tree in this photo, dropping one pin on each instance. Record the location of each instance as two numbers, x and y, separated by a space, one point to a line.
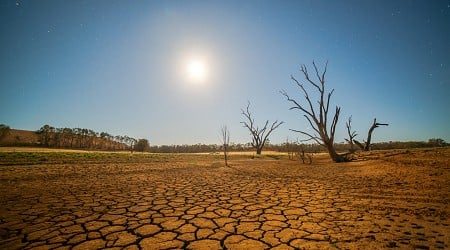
368 145
318 118
351 134
291 148
303 155
259 135
226 142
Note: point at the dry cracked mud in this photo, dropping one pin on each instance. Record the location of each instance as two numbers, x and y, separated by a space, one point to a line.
388 200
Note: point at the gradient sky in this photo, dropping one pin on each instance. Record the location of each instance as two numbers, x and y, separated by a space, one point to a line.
119 66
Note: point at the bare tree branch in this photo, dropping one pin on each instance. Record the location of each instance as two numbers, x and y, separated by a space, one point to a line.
318 120
259 136
351 134
311 137
369 135
360 145
305 72
296 104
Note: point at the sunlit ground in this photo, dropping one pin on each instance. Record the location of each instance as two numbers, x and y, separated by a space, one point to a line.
88 200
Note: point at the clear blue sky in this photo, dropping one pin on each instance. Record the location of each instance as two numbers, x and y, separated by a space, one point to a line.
119 66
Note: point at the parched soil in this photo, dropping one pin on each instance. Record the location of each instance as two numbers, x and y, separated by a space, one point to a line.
385 199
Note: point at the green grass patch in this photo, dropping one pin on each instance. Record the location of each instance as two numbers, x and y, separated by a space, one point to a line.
31 158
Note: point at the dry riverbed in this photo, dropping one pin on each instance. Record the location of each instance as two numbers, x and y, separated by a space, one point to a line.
77 200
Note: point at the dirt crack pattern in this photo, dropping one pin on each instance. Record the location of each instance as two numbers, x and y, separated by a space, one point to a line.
257 204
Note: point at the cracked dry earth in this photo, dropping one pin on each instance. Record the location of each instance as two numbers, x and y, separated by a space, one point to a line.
386 200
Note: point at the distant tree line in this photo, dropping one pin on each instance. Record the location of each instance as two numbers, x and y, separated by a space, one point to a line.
4 130
431 143
199 148
291 147
343 147
83 138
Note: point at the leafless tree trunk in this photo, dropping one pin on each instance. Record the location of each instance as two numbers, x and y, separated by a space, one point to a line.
351 134
290 148
226 142
303 155
368 145
259 136
318 119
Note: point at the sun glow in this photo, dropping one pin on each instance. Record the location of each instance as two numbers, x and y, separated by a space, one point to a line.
196 71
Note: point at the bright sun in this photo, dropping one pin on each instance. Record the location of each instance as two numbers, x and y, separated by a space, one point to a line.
196 70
